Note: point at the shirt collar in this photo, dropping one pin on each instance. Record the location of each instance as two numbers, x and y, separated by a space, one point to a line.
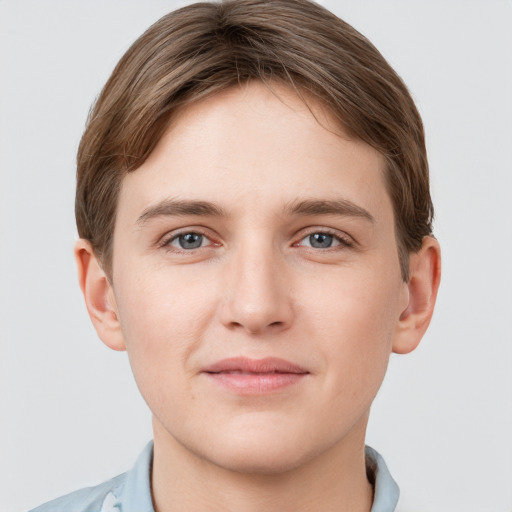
136 495
386 491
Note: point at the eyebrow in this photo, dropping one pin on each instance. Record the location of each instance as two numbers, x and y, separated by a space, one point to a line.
176 207
341 207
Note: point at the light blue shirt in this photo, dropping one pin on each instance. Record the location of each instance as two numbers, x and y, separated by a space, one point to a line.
131 491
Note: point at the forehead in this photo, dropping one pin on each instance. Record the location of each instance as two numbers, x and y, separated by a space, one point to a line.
256 145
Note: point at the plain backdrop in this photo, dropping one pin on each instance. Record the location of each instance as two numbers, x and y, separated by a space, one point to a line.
70 413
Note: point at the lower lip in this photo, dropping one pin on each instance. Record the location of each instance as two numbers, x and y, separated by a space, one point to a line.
256 383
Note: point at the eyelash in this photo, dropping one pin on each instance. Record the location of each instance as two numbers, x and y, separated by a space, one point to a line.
344 241
166 242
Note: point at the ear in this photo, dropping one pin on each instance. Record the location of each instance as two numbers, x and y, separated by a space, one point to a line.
99 296
424 278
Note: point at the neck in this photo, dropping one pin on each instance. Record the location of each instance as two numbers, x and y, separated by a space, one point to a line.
331 481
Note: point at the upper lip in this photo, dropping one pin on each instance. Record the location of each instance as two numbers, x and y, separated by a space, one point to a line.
258 366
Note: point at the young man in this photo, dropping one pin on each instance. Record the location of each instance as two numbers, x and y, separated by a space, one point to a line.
255 222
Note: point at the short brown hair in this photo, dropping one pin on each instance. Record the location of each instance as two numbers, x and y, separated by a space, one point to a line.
207 47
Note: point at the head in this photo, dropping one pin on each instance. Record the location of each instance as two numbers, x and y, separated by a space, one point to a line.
205 48
253 189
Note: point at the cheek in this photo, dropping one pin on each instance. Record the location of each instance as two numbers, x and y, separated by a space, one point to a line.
156 304
362 303
163 316
354 318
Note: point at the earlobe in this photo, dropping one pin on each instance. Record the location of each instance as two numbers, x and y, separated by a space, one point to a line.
425 275
99 296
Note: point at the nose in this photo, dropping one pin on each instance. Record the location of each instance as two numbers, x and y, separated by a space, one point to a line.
257 292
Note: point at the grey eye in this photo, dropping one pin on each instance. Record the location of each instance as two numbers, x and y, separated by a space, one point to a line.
190 240
320 240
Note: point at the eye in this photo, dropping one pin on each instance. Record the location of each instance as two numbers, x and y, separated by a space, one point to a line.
324 240
188 241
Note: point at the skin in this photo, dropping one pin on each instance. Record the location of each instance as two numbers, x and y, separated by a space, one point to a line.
256 287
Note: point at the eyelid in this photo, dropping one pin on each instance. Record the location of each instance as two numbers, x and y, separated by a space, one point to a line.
343 238
165 241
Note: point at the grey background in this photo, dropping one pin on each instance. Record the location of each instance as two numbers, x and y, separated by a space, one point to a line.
70 413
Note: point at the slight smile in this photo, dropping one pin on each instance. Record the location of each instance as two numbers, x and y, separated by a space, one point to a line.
247 376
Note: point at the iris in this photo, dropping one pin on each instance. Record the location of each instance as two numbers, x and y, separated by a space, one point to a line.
190 240
321 240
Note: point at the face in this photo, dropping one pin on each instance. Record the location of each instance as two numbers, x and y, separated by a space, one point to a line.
256 280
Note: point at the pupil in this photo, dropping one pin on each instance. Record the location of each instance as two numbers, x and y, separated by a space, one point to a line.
320 240
191 240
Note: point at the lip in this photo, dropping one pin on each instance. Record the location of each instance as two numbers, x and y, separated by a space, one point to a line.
247 376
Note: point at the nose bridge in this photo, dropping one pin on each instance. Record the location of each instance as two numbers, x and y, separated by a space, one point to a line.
257 297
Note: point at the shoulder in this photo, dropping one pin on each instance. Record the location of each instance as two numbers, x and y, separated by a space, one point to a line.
101 498
129 492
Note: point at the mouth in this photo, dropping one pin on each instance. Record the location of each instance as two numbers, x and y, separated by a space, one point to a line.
255 376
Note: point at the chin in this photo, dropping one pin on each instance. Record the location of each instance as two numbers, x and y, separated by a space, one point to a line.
262 452
263 460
